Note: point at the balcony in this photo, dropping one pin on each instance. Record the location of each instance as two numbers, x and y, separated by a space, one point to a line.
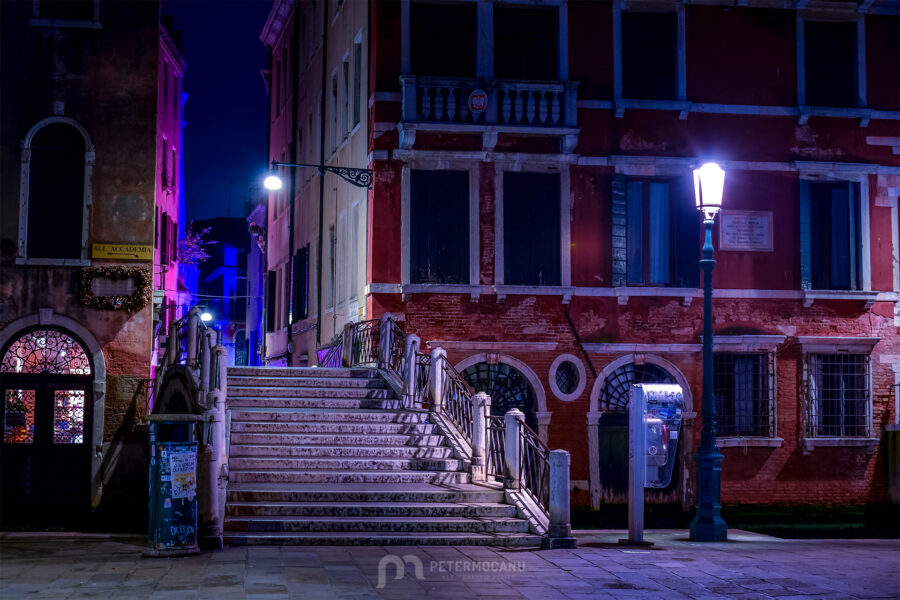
513 107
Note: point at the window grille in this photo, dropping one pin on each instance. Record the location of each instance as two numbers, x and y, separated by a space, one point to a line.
744 387
838 395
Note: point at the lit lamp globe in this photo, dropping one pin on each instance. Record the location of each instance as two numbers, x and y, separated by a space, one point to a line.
709 182
272 182
206 317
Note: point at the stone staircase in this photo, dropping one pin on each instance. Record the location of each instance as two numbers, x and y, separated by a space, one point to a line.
328 456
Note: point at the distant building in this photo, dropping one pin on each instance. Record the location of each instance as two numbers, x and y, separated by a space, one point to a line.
89 205
256 270
532 213
222 283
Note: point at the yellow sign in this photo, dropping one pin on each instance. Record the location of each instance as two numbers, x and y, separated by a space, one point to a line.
123 251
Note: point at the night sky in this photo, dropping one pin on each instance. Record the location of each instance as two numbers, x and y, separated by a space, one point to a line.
225 113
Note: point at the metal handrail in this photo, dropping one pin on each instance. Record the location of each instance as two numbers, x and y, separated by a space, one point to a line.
496 438
422 381
456 399
396 360
332 358
364 348
534 466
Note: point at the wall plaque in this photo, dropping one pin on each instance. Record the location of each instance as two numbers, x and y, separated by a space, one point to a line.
123 251
747 230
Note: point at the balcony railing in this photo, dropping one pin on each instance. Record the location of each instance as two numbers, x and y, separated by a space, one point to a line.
509 103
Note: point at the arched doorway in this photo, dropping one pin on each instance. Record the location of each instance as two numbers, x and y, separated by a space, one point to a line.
507 386
612 447
46 404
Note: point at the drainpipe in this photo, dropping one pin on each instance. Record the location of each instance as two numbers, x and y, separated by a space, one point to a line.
293 186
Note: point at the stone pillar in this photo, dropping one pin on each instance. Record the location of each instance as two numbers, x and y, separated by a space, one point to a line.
385 339
347 344
437 378
193 336
204 350
212 456
560 530
511 447
481 407
172 342
409 377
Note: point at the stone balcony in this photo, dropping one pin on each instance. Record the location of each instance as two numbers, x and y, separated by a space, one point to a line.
512 107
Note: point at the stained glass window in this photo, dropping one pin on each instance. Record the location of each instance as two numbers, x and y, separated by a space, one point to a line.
46 351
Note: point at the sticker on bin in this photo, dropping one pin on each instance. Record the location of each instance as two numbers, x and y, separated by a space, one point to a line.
184 474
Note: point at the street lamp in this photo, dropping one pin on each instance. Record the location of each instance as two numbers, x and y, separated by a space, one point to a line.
206 317
708 525
359 177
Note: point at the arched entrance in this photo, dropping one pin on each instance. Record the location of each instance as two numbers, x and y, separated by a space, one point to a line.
507 386
46 404
611 455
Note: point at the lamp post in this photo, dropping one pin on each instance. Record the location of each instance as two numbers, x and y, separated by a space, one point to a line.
708 525
358 177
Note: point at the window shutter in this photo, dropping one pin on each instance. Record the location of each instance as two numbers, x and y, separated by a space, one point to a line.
164 242
299 304
852 243
619 240
805 237
687 242
270 301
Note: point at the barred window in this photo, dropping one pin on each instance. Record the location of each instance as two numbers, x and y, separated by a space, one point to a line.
838 395
744 390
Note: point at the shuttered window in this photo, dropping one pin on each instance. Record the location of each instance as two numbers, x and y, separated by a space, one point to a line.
655 233
271 296
531 228
300 292
829 235
439 231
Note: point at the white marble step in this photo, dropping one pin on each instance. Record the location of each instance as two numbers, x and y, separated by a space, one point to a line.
369 492
372 509
290 451
235 401
320 463
345 476
305 382
284 414
301 372
325 427
416 538
376 524
326 393
338 439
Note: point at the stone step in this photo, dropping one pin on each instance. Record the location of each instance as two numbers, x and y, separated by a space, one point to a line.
302 382
320 463
337 439
372 509
372 492
331 427
327 414
340 476
249 391
247 450
235 538
235 401
301 372
376 524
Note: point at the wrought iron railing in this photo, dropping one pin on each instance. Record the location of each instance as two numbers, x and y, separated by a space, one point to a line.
496 436
456 399
364 347
534 467
396 358
419 397
330 355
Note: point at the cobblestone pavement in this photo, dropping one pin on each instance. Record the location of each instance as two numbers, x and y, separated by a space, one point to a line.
748 567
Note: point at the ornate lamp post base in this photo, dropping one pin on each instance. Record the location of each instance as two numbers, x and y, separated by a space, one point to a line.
708 524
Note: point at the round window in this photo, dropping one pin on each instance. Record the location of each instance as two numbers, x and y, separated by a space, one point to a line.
567 377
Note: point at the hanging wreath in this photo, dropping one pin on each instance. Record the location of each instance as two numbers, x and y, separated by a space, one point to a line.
134 302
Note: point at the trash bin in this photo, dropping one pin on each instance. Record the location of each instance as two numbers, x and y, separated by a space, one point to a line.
173 486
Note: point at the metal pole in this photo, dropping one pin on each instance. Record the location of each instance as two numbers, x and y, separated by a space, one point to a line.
708 525
322 122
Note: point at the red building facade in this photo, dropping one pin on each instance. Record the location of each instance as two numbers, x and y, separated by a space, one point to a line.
532 213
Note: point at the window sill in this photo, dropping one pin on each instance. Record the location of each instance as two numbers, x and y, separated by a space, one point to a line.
810 296
70 23
54 262
750 442
810 444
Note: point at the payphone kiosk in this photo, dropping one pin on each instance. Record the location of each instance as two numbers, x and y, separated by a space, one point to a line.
654 424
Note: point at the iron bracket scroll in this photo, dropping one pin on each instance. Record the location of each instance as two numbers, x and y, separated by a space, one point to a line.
358 177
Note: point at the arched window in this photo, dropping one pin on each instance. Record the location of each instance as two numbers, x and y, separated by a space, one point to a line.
57 160
614 397
46 351
507 387
56 192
